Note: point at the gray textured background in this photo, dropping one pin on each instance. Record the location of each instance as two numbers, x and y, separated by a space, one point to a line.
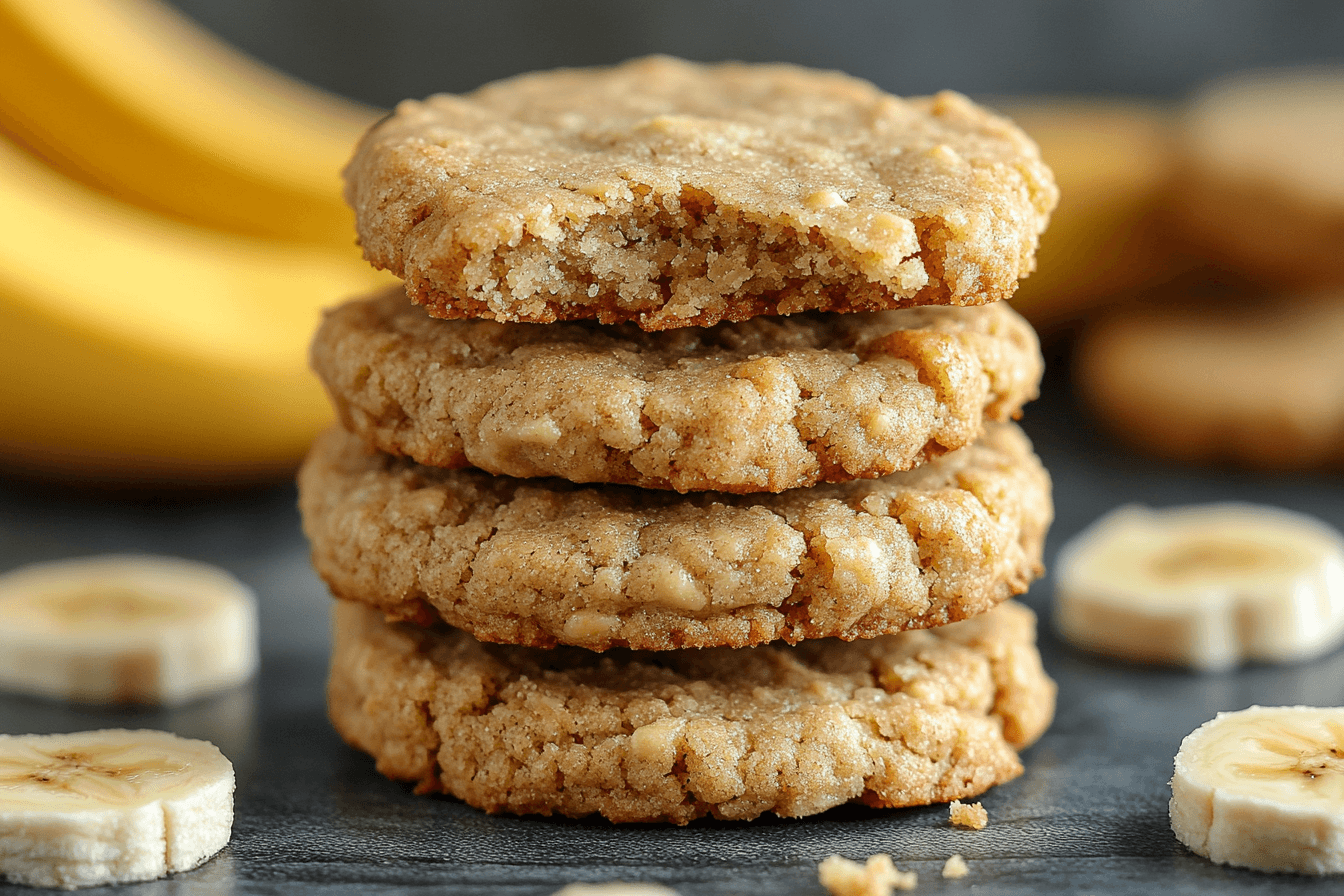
381 51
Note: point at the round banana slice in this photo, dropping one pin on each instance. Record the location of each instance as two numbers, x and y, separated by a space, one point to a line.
105 807
1264 788
120 629
1208 587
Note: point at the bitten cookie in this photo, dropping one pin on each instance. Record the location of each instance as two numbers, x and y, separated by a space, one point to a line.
1259 385
1262 185
763 405
675 194
907 719
545 562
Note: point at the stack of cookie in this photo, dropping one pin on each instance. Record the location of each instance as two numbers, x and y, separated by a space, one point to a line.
635 521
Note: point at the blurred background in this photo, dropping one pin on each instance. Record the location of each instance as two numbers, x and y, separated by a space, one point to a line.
380 52
175 222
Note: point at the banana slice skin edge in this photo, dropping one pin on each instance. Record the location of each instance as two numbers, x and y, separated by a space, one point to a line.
108 807
1207 587
1263 788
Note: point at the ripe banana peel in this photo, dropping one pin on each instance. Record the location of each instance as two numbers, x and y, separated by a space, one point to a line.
140 348
130 97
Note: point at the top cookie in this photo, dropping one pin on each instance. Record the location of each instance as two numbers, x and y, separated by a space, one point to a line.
674 194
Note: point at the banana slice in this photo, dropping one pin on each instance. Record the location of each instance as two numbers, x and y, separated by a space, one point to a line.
1207 587
103 807
117 629
1264 788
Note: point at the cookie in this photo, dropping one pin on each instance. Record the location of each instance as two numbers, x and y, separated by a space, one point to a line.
544 562
1259 385
675 194
763 405
1262 188
903 720
1113 161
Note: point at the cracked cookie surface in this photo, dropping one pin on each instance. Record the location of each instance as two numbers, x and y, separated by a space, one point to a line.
908 719
767 404
675 194
546 562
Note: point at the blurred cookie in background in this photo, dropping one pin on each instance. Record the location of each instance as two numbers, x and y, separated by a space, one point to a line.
1113 160
1261 186
1219 376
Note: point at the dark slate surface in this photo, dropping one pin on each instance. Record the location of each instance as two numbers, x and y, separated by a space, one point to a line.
1089 815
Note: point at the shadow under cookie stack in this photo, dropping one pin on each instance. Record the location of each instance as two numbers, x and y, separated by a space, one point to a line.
659 512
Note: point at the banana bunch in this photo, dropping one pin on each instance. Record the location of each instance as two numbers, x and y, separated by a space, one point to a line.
1264 788
172 227
1207 587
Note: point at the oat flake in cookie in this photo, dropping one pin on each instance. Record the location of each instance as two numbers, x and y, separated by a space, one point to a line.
767 404
909 719
675 194
544 562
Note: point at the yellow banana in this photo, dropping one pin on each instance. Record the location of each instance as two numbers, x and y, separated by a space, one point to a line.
1113 160
129 97
138 347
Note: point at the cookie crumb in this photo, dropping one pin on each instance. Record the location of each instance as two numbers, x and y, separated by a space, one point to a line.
877 877
615 888
955 867
972 816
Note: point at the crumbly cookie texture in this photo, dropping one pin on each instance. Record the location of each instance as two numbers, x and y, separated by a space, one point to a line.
675 194
876 877
972 816
763 405
545 562
901 720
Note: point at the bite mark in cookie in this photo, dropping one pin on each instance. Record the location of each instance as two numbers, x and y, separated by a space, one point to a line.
674 194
